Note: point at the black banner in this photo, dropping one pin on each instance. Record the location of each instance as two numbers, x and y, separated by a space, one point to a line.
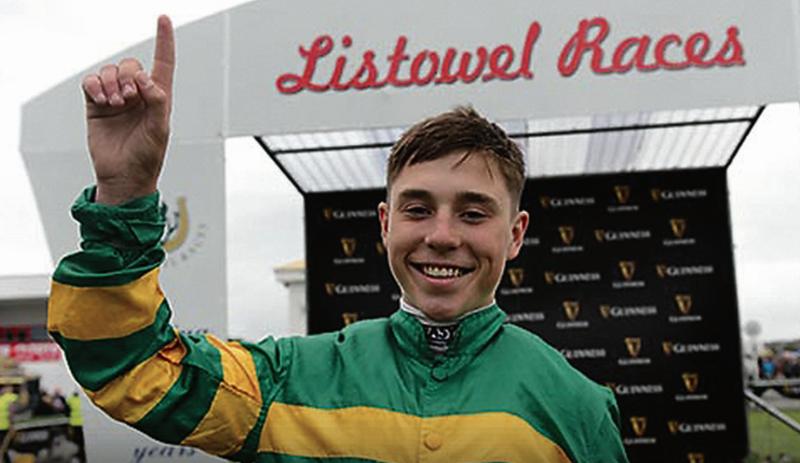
630 276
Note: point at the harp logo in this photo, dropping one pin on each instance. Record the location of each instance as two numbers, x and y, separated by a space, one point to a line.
639 425
690 381
516 276
348 246
678 227
627 268
349 318
571 309
634 346
623 193
567 234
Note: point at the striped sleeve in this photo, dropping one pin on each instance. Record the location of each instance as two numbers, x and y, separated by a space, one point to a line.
109 315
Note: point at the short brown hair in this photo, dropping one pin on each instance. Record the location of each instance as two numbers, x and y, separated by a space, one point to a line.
459 129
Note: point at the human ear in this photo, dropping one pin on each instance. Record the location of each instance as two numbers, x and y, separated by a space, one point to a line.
383 217
518 228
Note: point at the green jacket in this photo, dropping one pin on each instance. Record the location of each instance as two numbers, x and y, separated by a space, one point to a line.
370 392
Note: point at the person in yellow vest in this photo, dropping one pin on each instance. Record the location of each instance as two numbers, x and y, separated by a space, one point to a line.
7 400
76 422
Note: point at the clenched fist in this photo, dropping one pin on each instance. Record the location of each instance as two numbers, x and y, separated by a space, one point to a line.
127 115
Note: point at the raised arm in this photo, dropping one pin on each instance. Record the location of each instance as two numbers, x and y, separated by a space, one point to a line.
106 308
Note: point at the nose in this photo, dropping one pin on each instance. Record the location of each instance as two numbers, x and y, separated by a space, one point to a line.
443 235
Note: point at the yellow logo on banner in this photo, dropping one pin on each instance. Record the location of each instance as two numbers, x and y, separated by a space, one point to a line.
349 317
666 346
605 310
673 426
661 269
628 268
571 309
655 193
330 288
348 246
678 227
516 275
623 193
691 381
612 386
600 235
696 457
634 346
380 248
178 228
327 213
550 277
639 425
684 303
567 234
544 201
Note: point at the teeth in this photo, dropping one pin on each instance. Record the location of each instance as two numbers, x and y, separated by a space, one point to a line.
441 272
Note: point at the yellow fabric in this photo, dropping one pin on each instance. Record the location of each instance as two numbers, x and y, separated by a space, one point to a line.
75 415
236 405
130 397
6 400
114 311
393 437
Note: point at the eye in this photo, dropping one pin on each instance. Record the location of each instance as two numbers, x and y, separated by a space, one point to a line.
474 215
416 211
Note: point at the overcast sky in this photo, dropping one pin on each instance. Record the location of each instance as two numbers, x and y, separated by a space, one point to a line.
42 42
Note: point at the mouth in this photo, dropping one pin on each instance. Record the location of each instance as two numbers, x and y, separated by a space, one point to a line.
441 271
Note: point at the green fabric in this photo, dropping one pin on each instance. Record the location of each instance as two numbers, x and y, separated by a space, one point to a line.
490 366
119 243
188 400
95 363
387 364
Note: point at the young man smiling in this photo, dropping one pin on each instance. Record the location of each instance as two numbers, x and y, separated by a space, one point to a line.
444 379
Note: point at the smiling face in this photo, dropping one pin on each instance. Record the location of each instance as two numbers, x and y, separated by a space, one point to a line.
449 228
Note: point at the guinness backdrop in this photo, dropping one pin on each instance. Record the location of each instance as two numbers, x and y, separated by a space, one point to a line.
629 276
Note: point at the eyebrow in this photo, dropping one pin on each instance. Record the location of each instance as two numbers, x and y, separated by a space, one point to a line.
462 197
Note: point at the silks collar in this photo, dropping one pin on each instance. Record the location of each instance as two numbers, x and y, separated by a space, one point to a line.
473 333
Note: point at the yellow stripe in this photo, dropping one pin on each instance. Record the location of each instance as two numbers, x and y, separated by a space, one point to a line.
131 396
393 437
236 405
113 311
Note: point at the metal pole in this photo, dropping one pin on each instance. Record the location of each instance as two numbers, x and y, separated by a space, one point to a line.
761 403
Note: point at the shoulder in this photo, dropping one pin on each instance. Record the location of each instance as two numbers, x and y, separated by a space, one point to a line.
353 337
545 369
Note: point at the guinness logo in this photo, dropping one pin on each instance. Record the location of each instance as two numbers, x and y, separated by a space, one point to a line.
639 425
634 346
623 193
696 457
661 269
691 381
516 275
678 227
571 309
330 288
550 277
567 234
349 317
684 303
380 248
673 426
348 246
544 201
666 346
612 386
655 193
600 235
628 268
605 310
327 213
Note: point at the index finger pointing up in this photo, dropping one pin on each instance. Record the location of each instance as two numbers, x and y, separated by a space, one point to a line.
164 59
